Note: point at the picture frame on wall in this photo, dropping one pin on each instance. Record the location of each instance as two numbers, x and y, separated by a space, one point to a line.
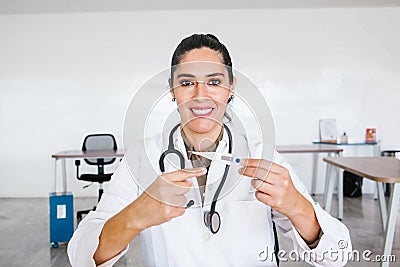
327 130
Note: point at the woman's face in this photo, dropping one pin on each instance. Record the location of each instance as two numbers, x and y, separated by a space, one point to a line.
201 88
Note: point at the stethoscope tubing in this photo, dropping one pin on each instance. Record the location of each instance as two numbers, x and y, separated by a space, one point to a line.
208 216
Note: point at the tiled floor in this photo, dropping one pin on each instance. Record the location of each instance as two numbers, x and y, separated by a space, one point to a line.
24 232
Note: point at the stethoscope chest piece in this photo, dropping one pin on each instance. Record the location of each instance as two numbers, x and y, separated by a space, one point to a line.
212 220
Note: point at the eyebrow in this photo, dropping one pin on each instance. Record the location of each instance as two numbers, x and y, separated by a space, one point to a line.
193 76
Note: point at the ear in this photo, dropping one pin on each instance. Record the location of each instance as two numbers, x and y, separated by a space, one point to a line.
232 87
170 82
171 89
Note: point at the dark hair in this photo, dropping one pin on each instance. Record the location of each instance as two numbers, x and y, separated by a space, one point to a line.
197 41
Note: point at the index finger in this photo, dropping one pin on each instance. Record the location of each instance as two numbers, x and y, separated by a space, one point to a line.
182 175
261 163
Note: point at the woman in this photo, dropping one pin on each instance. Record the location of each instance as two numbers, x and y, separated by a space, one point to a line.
175 234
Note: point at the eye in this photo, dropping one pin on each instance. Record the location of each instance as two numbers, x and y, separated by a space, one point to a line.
214 82
187 83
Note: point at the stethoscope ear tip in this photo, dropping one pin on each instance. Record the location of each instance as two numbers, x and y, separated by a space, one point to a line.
189 204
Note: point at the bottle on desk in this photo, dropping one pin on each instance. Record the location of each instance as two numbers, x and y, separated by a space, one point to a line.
344 138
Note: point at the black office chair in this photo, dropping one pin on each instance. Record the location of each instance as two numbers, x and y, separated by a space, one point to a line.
95 142
388 153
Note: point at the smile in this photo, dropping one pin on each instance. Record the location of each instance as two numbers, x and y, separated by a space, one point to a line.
201 111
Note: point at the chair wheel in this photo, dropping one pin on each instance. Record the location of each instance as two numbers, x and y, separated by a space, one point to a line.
54 244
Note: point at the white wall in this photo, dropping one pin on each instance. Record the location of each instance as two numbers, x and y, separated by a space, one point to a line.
64 75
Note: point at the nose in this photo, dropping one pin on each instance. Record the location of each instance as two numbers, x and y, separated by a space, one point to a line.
201 90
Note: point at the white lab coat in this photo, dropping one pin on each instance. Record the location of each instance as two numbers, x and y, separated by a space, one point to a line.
246 223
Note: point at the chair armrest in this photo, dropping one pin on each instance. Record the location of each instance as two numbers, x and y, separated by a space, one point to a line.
77 164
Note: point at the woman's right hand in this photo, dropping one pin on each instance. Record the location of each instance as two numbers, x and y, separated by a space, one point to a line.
164 199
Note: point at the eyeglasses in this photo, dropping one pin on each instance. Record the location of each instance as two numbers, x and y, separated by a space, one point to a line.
212 84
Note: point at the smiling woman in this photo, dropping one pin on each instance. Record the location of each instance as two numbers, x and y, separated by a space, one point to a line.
202 91
175 212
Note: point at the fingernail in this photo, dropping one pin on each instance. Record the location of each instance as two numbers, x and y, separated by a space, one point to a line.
202 169
242 162
252 191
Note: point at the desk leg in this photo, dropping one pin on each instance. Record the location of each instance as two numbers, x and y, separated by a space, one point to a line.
329 191
315 173
64 175
382 203
376 192
54 180
377 150
391 222
340 193
376 153
327 177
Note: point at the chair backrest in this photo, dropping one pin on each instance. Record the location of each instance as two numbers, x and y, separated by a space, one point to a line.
99 142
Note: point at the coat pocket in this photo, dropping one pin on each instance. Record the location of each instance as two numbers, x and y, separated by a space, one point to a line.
249 225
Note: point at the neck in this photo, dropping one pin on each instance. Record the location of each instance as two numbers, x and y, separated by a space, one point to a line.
202 141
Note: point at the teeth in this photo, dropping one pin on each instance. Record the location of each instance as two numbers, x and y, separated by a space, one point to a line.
201 111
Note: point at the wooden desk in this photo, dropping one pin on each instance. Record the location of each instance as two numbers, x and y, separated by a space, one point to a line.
315 149
381 170
376 149
78 154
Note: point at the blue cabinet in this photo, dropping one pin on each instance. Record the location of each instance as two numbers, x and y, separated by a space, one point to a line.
61 217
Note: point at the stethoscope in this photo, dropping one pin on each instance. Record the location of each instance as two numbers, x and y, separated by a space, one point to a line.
212 219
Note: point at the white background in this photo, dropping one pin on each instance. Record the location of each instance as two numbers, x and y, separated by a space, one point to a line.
65 75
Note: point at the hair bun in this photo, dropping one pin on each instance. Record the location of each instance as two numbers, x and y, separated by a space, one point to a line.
212 36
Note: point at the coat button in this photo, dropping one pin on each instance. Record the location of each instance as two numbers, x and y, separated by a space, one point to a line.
209 187
206 236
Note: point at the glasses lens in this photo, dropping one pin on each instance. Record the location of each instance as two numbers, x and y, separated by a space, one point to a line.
215 222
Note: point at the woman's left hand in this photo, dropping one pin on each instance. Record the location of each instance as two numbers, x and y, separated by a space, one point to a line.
273 184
